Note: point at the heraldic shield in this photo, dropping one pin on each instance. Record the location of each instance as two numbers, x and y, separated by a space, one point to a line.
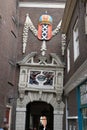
45 27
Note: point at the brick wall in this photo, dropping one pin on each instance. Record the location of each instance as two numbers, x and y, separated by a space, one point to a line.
33 44
8 47
80 13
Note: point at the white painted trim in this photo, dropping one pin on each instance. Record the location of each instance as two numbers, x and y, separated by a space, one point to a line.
41 5
72 117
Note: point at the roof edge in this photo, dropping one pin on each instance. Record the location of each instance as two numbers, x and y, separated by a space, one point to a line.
68 11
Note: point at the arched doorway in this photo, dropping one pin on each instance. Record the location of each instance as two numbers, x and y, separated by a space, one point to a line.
33 112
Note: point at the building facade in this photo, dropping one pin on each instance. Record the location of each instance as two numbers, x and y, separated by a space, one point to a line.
40 64
8 57
31 81
74 25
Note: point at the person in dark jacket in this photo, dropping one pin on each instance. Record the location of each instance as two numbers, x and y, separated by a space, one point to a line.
43 123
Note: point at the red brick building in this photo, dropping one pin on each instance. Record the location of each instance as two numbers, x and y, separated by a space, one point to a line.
38 59
74 25
22 55
8 57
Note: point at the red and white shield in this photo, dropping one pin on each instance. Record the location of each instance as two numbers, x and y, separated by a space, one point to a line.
44 31
45 27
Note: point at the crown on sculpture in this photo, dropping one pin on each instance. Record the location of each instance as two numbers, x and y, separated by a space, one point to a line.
45 18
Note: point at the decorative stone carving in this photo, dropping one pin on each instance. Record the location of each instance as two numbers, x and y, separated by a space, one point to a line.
42 60
23 78
50 92
55 31
43 48
59 86
41 30
63 42
27 25
21 95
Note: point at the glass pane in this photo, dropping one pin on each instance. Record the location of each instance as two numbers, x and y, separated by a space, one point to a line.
84 114
41 78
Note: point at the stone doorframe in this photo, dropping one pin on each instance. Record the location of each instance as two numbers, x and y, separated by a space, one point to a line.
51 94
21 112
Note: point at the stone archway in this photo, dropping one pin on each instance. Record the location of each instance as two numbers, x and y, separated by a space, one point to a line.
22 107
42 91
33 112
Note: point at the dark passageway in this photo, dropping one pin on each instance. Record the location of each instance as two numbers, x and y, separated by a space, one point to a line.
34 111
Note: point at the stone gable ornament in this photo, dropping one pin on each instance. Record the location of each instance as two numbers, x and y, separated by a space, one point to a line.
43 33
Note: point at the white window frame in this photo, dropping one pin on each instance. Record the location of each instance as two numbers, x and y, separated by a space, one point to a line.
68 58
76 40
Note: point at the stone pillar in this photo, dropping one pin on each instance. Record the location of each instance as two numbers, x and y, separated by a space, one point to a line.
58 118
20 118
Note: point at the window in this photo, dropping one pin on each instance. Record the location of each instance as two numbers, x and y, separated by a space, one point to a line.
76 40
84 118
68 57
83 93
41 78
70 127
82 105
7 119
